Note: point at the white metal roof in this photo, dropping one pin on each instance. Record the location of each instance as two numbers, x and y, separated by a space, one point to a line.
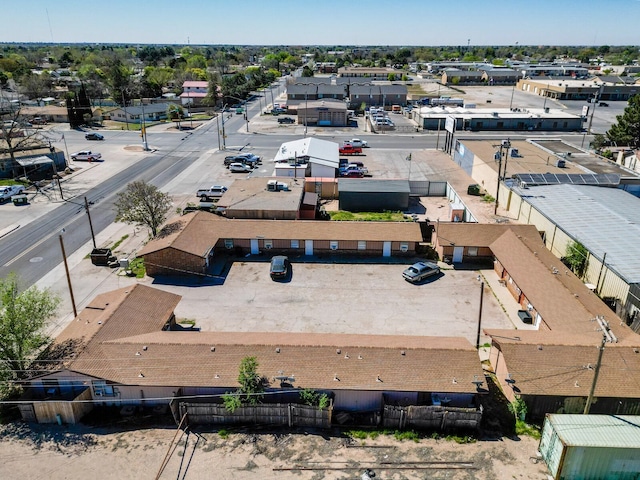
321 152
604 220
607 431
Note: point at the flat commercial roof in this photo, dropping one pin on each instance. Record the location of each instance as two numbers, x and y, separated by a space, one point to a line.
604 220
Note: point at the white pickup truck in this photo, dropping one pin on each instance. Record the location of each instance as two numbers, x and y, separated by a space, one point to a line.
86 155
8 191
356 142
215 191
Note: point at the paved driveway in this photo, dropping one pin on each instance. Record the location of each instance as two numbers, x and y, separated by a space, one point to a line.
340 298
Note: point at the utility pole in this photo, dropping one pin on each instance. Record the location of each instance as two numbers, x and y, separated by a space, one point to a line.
86 208
480 315
587 406
504 146
66 269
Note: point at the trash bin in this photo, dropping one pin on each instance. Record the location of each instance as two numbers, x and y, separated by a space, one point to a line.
20 200
100 256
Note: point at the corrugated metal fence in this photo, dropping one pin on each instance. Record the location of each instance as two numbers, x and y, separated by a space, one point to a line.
425 188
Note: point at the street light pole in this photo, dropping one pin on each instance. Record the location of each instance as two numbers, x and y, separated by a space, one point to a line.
86 207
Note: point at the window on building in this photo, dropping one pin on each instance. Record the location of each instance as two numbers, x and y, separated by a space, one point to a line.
362 245
295 244
101 389
228 243
472 251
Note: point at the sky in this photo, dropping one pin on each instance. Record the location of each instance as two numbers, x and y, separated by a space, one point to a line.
324 22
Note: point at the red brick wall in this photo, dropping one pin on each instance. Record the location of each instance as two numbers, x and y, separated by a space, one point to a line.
169 261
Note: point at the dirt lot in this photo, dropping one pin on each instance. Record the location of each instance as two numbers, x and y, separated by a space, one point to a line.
71 452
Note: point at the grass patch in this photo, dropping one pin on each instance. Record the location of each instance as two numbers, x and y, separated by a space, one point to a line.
416 89
488 198
406 435
343 216
523 428
137 267
461 440
223 434
357 434
117 244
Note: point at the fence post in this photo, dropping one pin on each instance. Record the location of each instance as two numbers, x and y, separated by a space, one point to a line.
290 415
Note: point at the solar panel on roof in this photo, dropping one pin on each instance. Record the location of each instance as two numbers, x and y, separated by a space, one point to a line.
609 179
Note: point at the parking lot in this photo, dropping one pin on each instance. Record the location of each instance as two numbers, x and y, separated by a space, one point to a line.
340 298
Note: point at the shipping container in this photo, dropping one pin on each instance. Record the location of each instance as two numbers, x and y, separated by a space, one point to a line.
590 447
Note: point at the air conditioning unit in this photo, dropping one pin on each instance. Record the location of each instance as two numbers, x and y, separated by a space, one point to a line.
404 248
268 246
560 163
334 247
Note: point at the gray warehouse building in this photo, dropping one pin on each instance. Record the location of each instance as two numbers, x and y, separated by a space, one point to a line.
368 195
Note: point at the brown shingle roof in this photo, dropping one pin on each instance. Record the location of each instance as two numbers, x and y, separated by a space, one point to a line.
201 230
561 298
562 370
128 346
186 359
478 234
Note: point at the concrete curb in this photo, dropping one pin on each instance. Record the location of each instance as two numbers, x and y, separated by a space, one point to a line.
7 230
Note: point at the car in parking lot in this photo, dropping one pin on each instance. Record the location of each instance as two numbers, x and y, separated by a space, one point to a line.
239 168
352 173
419 271
279 267
93 136
246 158
8 191
286 120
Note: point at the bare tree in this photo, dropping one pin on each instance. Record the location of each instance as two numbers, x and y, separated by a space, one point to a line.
14 137
143 204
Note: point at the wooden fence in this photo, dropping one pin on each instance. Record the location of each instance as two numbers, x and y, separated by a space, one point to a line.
277 414
431 417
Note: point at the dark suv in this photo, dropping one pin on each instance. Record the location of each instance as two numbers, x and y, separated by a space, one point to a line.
246 158
286 120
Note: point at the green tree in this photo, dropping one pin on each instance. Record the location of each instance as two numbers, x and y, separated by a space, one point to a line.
626 132
306 71
143 204
23 317
576 258
251 383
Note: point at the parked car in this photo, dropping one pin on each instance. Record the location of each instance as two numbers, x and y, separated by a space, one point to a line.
38 121
357 173
86 155
214 191
8 191
93 136
603 104
348 149
286 120
247 158
419 271
279 267
239 168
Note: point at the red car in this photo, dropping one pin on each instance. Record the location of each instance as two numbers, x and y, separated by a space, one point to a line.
348 149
